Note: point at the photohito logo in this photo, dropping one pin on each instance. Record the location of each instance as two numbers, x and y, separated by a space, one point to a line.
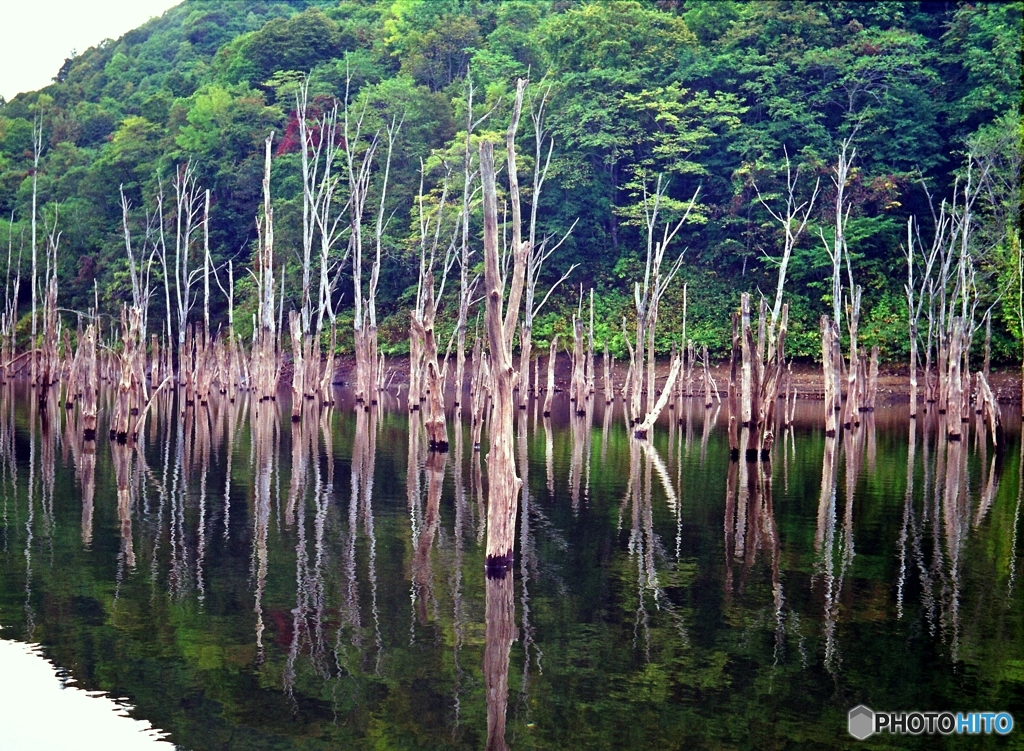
863 722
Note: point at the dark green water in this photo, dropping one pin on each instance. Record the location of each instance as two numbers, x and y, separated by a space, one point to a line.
250 584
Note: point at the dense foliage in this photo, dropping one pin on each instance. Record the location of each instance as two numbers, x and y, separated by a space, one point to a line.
706 93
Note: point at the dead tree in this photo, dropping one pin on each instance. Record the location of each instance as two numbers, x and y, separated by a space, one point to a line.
540 251
187 203
37 148
590 348
918 292
480 390
47 355
321 220
128 398
9 317
647 295
359 154
793 217
578 381
549 393
432 372
424 368
298 365
954 381
265 361
644 428
467 285
839 254
504 484
319 147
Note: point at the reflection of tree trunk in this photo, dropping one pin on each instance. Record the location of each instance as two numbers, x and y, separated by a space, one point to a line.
422 574
731 480
264 450
461 521
549 456
1012 578
908 505
825 546
956 515
710 420
528 557
87 476
122 456
500 633
299 472
735 417
549 393
579 428
606 424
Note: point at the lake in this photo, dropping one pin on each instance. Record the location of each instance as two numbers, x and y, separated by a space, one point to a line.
239 581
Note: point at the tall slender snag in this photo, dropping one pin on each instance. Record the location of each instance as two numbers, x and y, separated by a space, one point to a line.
504 485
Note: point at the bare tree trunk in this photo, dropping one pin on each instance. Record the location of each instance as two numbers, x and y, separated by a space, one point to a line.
913 370
709 383
943 368
753 359
954 400
503 494
590 349
577 390
608 386
827 365
298 366
127 399
644 428
89 382
525 347
437 431
549 394
480 389
872 390
734 407
37 147
853 393
746 388
415 368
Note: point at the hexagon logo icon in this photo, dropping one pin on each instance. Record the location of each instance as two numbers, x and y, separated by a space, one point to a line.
861 722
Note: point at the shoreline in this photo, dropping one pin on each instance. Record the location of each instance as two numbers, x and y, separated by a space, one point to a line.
893 380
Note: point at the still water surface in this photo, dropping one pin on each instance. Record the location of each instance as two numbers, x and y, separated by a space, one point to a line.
238 581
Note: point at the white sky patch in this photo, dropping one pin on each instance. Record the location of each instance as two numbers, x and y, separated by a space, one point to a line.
38 714
38 35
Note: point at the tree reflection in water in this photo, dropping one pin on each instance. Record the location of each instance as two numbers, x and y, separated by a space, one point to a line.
233 553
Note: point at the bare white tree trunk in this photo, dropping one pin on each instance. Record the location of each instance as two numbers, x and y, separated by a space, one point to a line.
37 148
503 494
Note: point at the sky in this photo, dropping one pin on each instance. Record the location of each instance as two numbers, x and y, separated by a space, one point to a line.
38 35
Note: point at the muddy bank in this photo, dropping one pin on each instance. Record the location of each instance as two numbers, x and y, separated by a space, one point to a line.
893 380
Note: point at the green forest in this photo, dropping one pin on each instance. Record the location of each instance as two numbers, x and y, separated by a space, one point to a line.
711 97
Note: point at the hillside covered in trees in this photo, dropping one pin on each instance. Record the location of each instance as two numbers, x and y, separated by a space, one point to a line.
707 95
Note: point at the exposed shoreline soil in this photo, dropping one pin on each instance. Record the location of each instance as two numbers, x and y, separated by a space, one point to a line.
893 380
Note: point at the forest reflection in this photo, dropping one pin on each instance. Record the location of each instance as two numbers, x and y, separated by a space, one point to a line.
355 600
